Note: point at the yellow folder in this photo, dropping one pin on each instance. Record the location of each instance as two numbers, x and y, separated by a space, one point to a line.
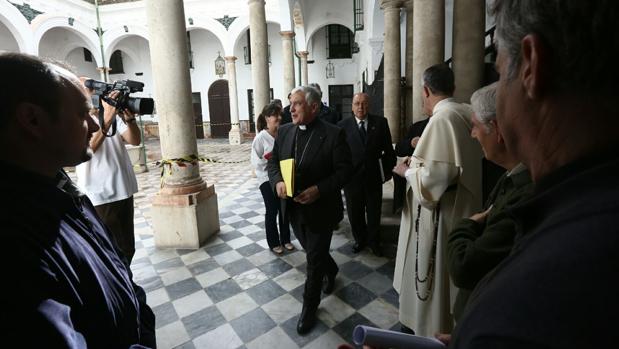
287 169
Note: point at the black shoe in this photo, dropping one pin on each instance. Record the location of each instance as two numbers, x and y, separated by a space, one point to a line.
376 250
357 247
328 283
307 320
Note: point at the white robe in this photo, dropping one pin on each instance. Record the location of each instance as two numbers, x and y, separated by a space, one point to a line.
446 155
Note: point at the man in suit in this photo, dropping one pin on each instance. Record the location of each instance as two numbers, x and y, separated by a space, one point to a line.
373 158
323 166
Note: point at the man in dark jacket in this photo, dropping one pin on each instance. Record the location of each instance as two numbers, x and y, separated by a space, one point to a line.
556 109
322 167
325 112
373 159
67 283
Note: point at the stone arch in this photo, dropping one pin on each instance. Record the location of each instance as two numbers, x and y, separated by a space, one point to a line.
19 27
114 36
44 23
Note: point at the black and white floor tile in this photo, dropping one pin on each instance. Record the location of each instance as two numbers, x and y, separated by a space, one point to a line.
234 292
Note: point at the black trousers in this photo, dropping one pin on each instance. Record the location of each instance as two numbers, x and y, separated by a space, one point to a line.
118 217
272 211
319 261
363 206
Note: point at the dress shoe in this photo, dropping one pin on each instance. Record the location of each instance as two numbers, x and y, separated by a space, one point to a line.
357 247
328 283
307 320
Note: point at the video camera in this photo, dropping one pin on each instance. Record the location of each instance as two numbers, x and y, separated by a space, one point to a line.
135 105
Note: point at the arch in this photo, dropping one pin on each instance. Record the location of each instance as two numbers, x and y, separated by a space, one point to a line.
237 30
213 26
299 27
114 36
130 51
18 26
219 40
377 24
43 23
325 23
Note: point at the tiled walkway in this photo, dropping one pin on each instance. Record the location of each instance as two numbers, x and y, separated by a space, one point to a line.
235 293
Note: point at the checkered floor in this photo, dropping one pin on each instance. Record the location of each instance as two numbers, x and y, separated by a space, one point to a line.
233 292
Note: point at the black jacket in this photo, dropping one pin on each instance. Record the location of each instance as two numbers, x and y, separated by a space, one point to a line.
327 164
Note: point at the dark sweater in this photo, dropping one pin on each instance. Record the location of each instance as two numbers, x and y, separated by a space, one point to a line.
559 286
473 249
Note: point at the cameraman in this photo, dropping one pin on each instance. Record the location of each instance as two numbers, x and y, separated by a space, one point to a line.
108 178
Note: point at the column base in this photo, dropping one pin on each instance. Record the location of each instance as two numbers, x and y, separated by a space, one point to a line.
235 136
185 220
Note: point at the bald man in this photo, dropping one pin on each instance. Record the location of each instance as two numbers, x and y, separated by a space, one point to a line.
372 153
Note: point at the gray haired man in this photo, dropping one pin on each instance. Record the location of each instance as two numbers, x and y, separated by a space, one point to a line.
556 109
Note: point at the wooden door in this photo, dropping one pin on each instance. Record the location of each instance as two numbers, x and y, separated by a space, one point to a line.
219 109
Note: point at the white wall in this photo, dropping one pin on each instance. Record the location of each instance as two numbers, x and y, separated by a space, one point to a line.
82 67
205 47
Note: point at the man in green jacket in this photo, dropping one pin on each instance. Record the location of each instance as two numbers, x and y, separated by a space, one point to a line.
479 243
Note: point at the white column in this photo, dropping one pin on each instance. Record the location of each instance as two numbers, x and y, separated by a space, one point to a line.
235 131
392 66
259 58
287 54
408 65
185 210
303 56
468 47
428 45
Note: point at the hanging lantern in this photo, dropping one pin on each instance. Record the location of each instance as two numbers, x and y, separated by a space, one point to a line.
330 71
220 65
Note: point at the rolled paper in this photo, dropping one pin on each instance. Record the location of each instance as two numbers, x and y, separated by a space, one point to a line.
376 337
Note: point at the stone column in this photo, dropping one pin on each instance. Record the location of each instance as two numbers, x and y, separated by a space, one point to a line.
468 47
428 45
288 54
408 66
303 56
259 58
392 66
235 131
185 210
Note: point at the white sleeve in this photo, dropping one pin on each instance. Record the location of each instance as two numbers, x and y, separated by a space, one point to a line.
121 127
430 179
257 153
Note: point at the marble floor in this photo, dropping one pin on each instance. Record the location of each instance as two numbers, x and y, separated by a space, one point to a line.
234 292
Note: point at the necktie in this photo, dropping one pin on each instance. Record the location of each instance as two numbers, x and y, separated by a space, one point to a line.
362 132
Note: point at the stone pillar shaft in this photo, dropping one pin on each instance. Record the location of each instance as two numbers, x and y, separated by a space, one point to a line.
393 73
170 64
235 132
428 45
259 58
304 77
468 47
185 210
408 66
288 63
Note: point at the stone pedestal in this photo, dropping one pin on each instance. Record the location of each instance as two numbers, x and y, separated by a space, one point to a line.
188 219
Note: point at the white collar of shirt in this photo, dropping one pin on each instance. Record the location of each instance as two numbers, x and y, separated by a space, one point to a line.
441 102
302 127
365 122
519 168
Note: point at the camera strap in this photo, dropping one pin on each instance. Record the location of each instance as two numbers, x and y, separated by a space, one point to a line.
102 120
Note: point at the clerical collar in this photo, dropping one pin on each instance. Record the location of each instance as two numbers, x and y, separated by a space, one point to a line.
308 126
302 127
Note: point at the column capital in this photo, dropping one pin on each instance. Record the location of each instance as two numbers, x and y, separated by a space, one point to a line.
391 4
303 54
230 58
287 34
